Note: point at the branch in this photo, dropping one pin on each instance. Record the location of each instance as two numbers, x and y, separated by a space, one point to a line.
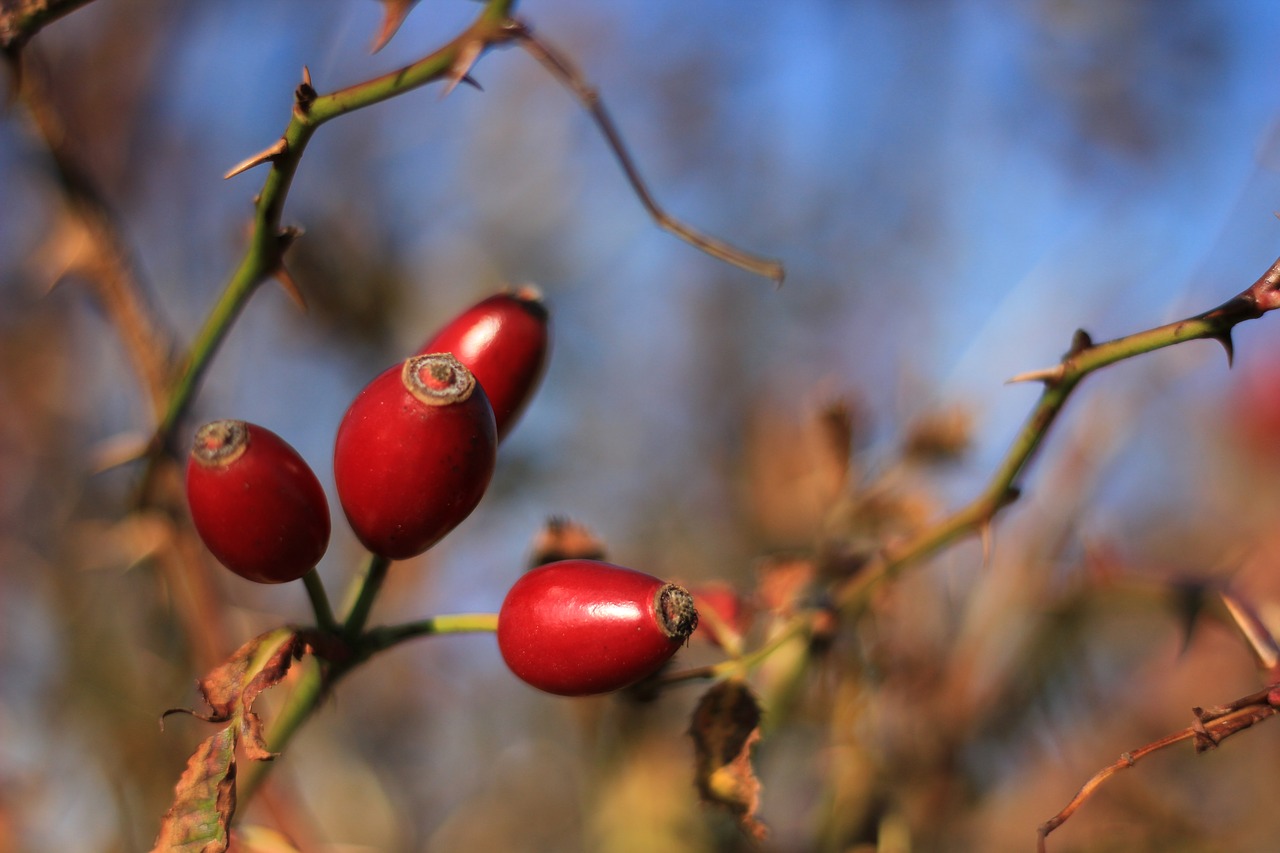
22 19
264 257
564 71
1083 358
1210 729
110 265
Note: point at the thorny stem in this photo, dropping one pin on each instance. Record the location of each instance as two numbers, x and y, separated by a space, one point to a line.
1208 731
1083 358
265 254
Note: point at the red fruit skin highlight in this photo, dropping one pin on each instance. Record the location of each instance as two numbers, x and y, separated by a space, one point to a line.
414 454
255 502
504 341
579 627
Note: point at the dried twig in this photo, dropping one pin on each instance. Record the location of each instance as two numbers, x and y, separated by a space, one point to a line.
1211 727
564 71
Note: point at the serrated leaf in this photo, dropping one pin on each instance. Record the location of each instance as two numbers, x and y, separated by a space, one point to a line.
253 667
726 725
204 799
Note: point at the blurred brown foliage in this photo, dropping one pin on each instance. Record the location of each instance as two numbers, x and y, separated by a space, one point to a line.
687 418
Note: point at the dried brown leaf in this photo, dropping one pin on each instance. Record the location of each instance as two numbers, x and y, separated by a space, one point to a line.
726 725
204 799
252 668
565 539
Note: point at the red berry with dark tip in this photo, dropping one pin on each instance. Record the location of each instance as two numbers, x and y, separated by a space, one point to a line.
578 627
256 503
503 340
414 454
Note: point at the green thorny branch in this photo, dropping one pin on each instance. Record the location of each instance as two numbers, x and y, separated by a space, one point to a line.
264 258
1002 489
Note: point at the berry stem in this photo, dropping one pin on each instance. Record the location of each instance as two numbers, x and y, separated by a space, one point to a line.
319 601
371 582
378 639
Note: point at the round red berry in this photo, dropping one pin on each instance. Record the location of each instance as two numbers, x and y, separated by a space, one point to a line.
503 340
256 504
414 454
578 627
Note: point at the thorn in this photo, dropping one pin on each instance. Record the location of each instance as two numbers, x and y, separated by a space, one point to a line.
286 236
290 286
1080 342
392 18
305 95
268 155
119 450
1261 642
1048 375
1225 340
461 68
472 82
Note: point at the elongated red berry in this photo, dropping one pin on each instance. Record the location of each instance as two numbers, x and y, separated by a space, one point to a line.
255 502
578 627
414 454
503 340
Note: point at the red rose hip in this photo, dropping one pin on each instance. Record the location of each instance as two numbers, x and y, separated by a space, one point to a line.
578 627
256 503
503 340
414 454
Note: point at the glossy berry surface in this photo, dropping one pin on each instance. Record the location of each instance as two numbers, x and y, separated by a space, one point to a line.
578 627
504 341
256 503
414 454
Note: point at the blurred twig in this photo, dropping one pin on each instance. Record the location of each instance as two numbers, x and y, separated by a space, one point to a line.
111 267
1212 726
1083 358
564 71
22 19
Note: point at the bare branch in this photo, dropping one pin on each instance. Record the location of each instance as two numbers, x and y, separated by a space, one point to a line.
564 71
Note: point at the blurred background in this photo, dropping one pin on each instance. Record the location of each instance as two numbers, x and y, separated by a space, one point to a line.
954 189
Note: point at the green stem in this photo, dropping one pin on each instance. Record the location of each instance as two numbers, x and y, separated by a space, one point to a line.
264 256
319 601
1084 358
375 574
379 639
